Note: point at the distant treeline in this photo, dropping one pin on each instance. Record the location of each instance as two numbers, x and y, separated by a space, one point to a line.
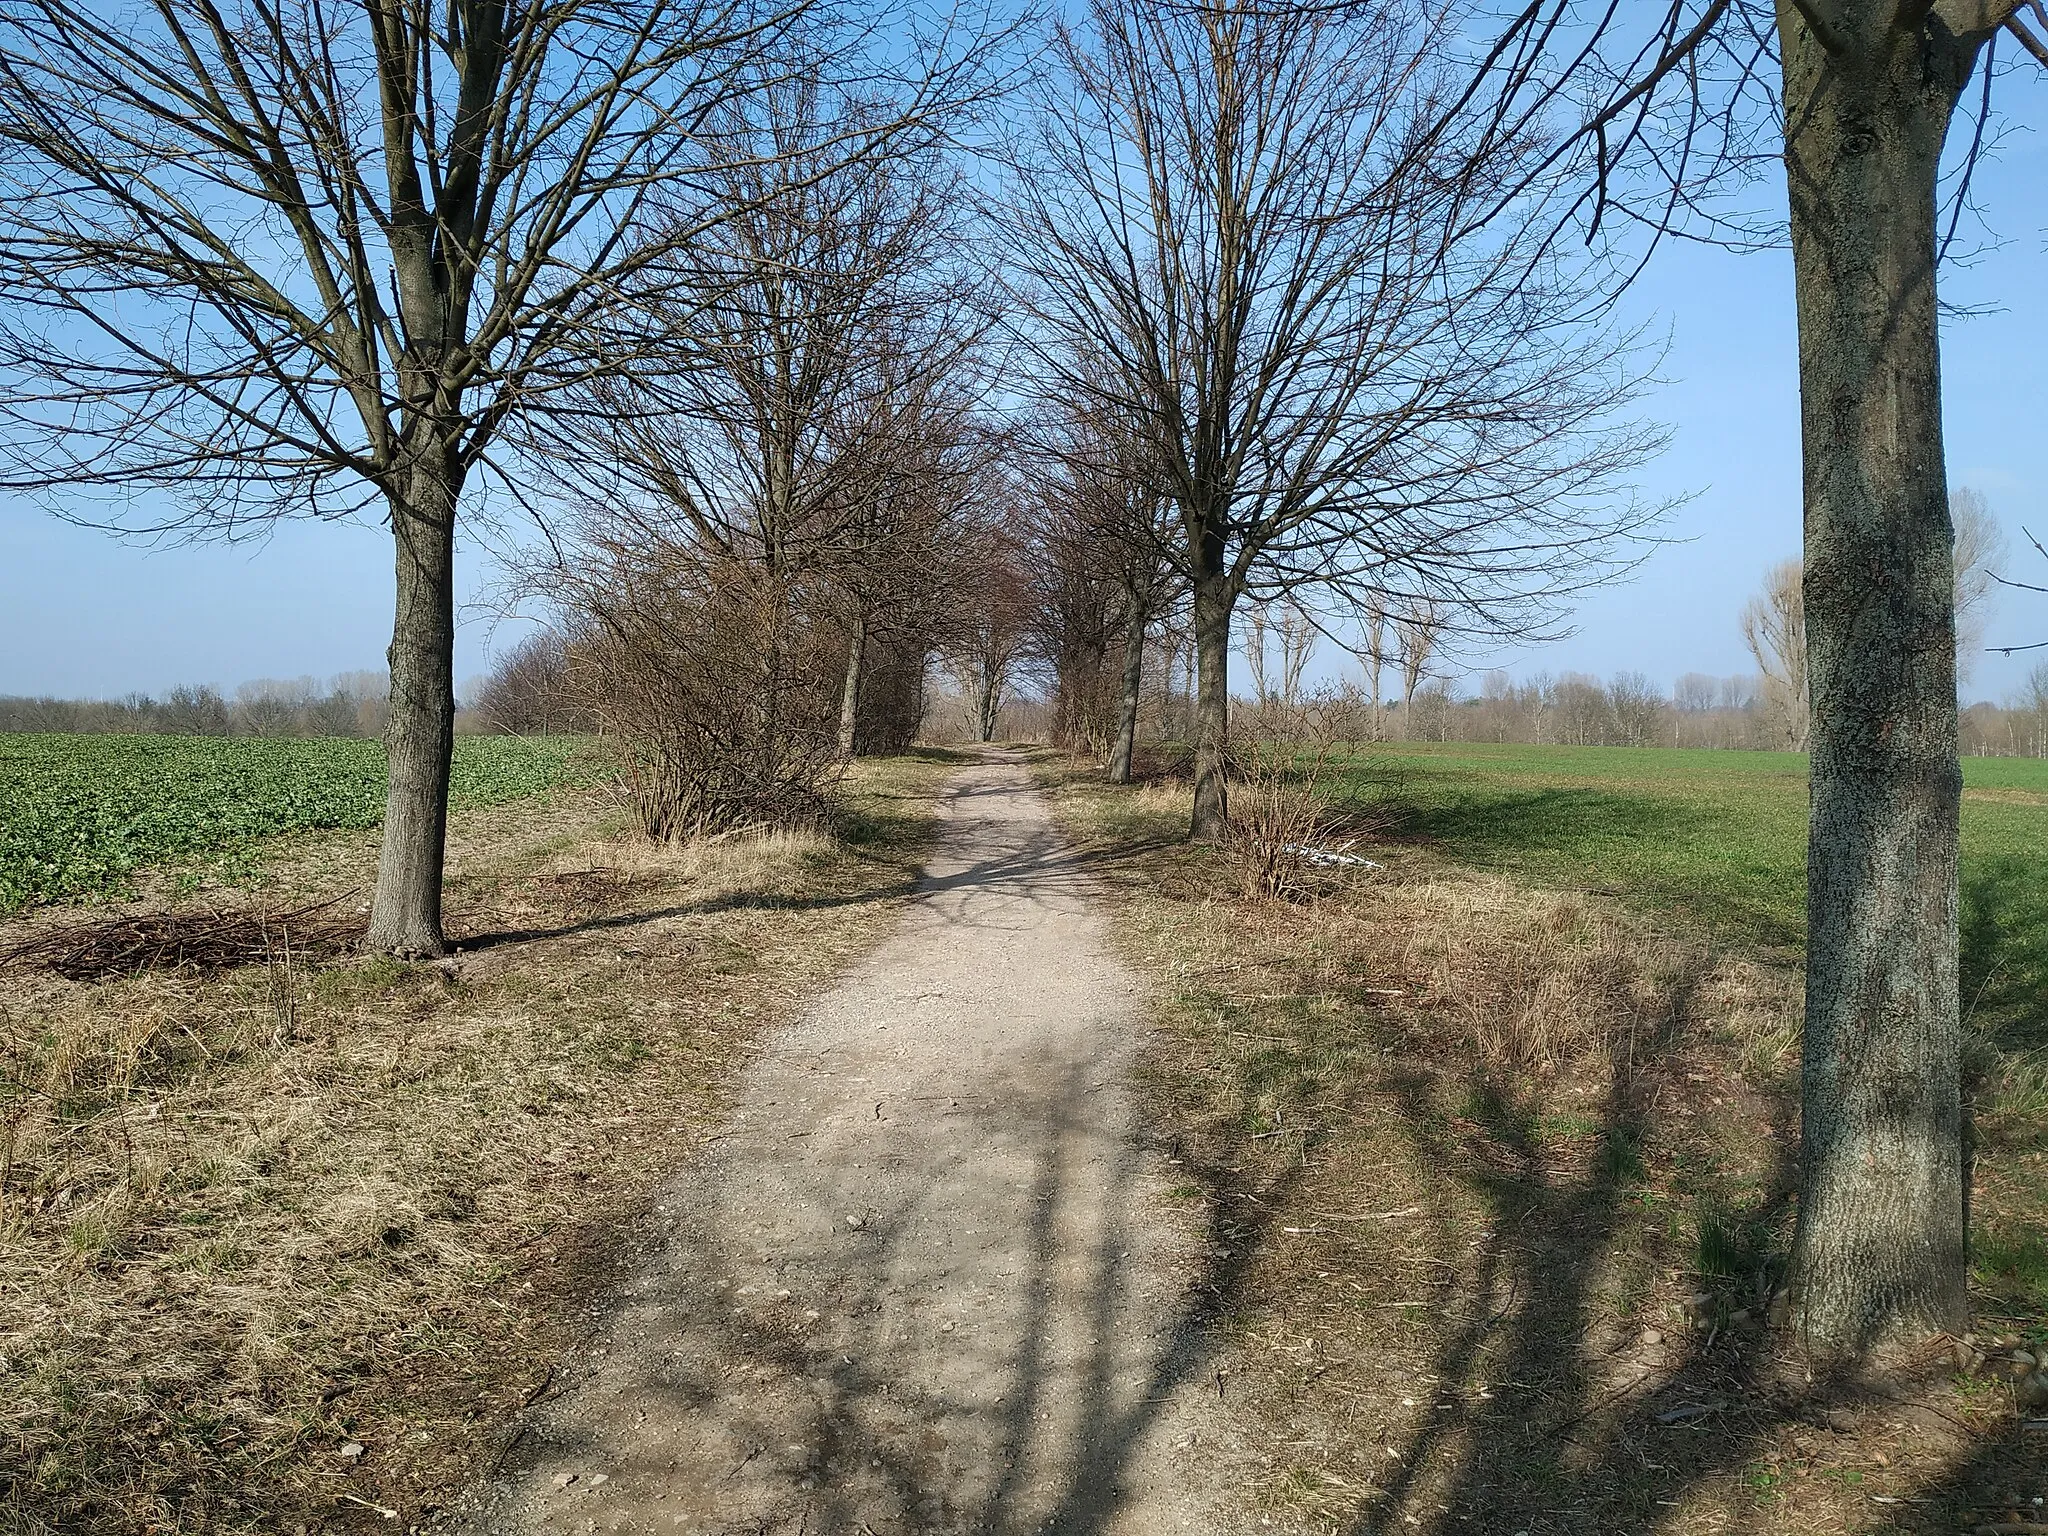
1630 710
351 704
525 693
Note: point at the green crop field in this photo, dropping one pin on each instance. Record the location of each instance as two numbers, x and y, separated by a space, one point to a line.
1720 838
79 814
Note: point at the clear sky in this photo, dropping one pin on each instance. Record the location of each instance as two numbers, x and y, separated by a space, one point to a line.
83 614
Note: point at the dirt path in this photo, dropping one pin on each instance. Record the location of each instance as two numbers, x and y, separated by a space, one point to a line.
926 1280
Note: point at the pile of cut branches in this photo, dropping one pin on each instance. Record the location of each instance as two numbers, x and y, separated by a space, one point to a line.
194 941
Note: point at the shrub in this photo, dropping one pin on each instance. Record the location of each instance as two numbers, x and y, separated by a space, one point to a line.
714 685
1295 823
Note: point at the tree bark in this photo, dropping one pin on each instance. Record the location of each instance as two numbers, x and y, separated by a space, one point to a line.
1134 681
1213 597
990 702
419 741
849 698
1879 1251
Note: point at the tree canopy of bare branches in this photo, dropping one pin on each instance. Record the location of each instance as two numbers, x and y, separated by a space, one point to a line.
792 463
1254 233
310 257
1100 538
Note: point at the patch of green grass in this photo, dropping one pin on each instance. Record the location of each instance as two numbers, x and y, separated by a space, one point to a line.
83 813
1720 834
1728 1245
1720 838
2012 1265
1765 1480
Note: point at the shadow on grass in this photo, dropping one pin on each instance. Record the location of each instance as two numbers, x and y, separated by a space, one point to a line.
1548 1413
1583 1429
1544 1423
1041 863
2004 959
1549 820
1635 847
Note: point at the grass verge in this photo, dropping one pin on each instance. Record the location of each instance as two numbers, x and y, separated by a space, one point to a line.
1504 1178
1717 841
282 1248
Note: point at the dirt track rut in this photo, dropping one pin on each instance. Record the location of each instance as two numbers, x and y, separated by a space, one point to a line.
926 1280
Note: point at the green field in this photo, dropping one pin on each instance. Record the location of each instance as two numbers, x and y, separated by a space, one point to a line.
1720 838
80 814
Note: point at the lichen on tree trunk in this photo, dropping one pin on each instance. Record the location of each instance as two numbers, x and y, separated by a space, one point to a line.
419 742
1212 699
1879 1253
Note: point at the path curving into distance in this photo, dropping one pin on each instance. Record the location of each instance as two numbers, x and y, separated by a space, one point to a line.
925 1279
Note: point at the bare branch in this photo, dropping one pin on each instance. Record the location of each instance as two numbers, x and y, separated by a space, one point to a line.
2028 40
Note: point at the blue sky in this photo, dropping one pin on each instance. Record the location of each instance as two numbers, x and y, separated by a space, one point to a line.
83 614
1732 402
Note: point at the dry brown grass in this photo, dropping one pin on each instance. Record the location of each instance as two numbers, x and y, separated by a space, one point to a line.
286 1243
1501 1181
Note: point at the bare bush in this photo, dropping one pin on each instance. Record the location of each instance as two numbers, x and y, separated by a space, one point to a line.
712 681
527 691
1300 807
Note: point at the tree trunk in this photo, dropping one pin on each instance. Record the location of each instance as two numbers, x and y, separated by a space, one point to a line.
849 698
1134 682
1212 695
419 740
990 702
1879 1251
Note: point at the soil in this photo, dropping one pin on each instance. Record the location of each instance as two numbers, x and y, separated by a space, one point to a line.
927 1278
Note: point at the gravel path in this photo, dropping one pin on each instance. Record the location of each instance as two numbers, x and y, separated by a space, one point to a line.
926 1280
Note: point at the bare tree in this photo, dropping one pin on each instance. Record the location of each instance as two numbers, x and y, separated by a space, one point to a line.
898 560
1258 620
1252 232
1297 634
1981 550
781 472
1280 623
1637 708
1418 628
1146 592
1376 646
1105 576
527 690
1696 693
2030 703
1076 605
995 631
1774 629
292 257
807 410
